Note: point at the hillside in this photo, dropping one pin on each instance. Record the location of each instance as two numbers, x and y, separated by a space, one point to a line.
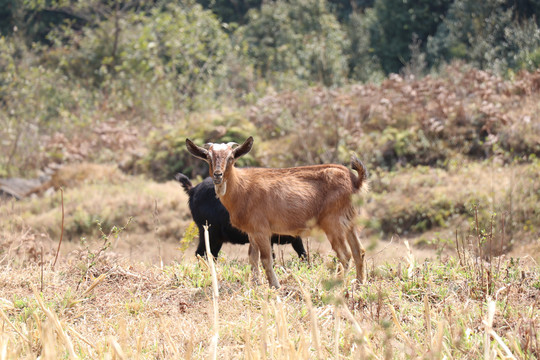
451 223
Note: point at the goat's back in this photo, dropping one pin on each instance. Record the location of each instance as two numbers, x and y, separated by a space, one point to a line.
288 201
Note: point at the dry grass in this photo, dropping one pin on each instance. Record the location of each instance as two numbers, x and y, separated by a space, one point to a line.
426 205
132 294
127 292
102 302
428 121
431 204
123 309
159 215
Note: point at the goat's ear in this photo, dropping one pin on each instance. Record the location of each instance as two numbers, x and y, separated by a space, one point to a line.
244 148
197 151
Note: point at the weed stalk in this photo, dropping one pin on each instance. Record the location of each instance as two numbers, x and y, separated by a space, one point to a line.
61 229
215 294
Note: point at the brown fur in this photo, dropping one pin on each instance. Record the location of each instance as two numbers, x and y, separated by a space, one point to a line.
287 201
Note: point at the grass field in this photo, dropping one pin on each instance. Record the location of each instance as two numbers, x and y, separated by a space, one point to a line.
123 293
451 226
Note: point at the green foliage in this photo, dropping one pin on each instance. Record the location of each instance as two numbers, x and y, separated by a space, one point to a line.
525 40
420 199
296 40
190 275
417 215
190 234
486 34
529 60
169 53
167 56
34 19
406 146
167 154
231 11
35 102
362 61
140 65
344 9
397 21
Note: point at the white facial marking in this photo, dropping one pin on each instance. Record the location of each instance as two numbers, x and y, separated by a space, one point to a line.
220 147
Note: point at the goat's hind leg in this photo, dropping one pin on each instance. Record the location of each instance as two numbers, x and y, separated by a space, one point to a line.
358 253
338 242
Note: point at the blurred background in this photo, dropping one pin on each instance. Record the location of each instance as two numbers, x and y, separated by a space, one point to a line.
438 98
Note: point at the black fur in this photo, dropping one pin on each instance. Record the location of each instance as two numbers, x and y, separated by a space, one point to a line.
205 206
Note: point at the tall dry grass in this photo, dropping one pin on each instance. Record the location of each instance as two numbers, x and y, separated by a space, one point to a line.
435 309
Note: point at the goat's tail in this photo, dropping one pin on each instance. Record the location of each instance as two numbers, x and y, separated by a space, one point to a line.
359 182
184 181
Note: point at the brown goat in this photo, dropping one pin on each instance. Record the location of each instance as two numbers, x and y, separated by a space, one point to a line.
286 201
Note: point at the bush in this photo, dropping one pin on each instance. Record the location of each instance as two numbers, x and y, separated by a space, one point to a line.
486 34
167 154
363 64
415 200
298 40
171 55
396 21
463 112
35 101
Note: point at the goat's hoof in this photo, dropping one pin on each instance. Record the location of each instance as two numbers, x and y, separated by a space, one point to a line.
357 283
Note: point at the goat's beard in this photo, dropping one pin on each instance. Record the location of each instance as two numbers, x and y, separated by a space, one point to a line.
221 189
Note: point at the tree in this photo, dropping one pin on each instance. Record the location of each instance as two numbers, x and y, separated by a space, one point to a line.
231 11
487 33
299 39
397 21
362 61
35 19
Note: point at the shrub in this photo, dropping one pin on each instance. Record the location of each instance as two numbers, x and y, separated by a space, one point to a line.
486 34
296 40
167 153
150 60
363 64
396 22
35 101
415 200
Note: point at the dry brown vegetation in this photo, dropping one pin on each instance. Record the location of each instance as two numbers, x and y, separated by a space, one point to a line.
97 305
414 200
454 173
158 212
429 121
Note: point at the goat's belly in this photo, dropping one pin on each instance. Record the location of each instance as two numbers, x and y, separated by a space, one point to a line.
291 226
284 231
285 222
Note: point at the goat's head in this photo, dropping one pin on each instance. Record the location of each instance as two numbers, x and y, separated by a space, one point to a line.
220 158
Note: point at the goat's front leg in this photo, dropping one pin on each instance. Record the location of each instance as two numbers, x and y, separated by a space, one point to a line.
253 253
265 249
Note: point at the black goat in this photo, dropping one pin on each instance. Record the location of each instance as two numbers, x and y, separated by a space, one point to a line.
206 207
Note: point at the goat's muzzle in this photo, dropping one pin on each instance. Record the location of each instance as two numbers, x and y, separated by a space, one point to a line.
218 178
